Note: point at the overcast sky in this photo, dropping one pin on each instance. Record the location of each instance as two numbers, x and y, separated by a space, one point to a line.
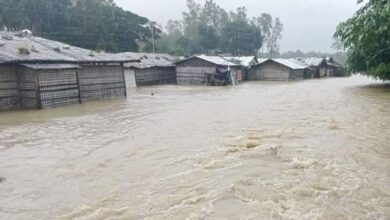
308 24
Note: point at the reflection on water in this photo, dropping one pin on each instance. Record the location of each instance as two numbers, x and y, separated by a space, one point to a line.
317 149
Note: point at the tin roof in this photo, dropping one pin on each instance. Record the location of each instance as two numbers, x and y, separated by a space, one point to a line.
245 61
81 54
50 66
17 48
216 60
22 49
262 60
212 59
312 61
290 63
148 60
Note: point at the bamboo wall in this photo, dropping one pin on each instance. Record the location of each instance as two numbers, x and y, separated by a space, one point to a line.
28 89
57 88
195 72
188 75
25 88
9 93
309 73
297 74
272 71
100 82
155 76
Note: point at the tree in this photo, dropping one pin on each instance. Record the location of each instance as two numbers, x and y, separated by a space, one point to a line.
93 24
366 37
240 36
337 44
209 29
273 41
208 38
265 22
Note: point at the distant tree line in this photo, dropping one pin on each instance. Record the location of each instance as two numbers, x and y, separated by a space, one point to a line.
93 24
366 36
210 29
102 25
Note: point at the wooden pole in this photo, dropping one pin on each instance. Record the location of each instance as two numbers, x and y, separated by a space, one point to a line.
78 85
38 90
124 79
17 72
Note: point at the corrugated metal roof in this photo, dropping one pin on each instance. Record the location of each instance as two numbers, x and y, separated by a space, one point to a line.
312 61
50 66
148 60
245 61
216 60
262 60
81 54
22 49
290 63
212 59
17 49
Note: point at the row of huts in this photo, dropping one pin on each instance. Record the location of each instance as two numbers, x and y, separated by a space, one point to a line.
210 70
38 73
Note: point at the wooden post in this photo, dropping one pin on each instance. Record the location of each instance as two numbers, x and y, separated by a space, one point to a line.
78 85
38 90
124 79
17 72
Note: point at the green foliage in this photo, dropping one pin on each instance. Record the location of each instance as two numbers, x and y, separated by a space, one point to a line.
209 29
367 39
93 24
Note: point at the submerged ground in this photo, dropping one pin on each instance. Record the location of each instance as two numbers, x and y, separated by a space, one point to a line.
316 149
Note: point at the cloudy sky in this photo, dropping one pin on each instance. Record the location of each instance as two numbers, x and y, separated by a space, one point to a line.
308 24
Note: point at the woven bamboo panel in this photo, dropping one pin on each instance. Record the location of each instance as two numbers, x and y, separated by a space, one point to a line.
58 88
27 87
155 76
9 93
57 77
101 82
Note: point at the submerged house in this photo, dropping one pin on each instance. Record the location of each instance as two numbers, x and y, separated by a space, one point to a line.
101 74
277 70
205 70
317 67
245 62
152 69
38 73
334 69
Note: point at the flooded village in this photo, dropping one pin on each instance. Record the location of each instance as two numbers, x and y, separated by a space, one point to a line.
40 73
155 134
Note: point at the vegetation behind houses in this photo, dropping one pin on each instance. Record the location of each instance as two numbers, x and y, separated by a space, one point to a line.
210 29
92 24
102 25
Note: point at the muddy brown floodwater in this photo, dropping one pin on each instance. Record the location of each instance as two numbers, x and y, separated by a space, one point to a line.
316 149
